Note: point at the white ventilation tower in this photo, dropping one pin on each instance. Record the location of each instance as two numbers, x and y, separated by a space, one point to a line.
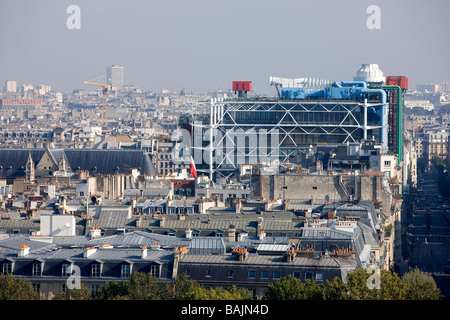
370 72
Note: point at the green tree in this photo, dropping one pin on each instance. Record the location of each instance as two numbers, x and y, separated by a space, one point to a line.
73 294
182 285
12 288
356 286
143 286
421 286
334 290
291 288
232 293
113 290
391 287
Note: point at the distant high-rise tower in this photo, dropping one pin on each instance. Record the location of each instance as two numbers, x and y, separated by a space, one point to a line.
114 77
10 86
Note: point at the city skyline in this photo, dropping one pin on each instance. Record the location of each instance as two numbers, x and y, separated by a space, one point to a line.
203 46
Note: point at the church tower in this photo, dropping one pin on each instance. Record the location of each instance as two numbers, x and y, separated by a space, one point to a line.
30 173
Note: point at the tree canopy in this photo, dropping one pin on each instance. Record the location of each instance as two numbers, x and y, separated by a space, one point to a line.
12 288
360 284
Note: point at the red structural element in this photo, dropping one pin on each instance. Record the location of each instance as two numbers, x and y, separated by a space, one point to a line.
242 86
400 81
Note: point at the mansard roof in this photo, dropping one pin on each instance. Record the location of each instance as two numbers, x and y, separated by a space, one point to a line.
102 161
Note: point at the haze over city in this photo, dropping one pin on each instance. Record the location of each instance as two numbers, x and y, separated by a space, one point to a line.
225 150
202 45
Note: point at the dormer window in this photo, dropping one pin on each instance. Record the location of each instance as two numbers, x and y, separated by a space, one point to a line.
7 267
37 269
125 271
95 271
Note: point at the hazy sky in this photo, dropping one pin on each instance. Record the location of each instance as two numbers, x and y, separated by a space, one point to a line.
204 45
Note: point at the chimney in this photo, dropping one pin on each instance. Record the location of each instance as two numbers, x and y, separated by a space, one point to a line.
188 233
231 233
330 215
285 204
144 252
139 221
259 226
24 250
161 221
95 232
89 251
241 236
262 235
238 206
290 255
180 251
241 253
133 203
155 246
209 220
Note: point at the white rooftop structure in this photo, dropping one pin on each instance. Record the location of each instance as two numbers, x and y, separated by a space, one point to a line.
298 82
370 72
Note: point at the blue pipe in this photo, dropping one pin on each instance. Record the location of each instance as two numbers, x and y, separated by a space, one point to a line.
384 113
362 84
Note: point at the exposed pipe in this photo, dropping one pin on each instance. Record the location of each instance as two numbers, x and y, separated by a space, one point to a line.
362 84
384 113
399 120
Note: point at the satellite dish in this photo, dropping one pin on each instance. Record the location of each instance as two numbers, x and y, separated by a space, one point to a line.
9 196
327 198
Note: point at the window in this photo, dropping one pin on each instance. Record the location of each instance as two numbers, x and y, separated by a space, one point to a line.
36 287
230 273
319 276
94 289
315 188
125 270
296 274
251 273
264 274
188 272
81 193
7 267
208 273
387 163
95 270
66 269
36 269
154 271
308 275
276 274
64 287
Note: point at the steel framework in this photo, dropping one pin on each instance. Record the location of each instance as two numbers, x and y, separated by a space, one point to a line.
297 124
